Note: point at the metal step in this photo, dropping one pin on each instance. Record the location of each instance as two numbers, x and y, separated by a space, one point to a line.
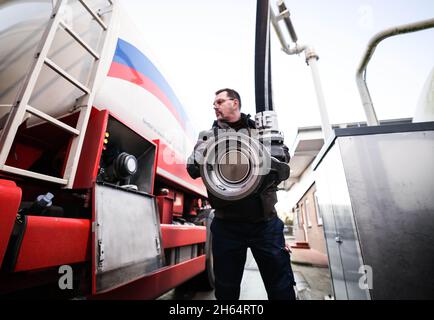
78 39
52 120
34 175
21 107
94 15
66 75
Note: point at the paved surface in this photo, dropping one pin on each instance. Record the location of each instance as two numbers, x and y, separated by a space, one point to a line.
252 287
309 257
313 283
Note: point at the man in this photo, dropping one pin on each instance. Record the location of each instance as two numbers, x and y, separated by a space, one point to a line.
249 222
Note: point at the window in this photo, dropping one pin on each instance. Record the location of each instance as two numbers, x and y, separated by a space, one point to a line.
295 217
306 210
299 218
318 213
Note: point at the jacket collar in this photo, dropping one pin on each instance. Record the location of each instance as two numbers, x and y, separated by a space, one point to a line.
249 123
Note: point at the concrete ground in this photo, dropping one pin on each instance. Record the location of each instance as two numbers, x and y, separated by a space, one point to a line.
313 283
311 273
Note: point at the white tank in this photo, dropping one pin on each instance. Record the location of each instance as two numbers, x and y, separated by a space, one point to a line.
129 82
22 24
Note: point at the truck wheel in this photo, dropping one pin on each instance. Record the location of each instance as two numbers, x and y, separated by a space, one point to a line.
205 280
208 274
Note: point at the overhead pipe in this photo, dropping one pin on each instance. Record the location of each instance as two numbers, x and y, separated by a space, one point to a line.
263 89
266 119
284 13
311 59
368 106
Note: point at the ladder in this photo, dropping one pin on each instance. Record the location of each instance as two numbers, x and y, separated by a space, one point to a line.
21 106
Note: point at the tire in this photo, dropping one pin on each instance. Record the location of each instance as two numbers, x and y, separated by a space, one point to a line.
208 274
205 280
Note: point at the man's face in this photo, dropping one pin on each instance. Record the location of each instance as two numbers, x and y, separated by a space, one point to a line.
226 108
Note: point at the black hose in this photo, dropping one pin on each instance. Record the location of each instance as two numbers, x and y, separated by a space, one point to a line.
263 92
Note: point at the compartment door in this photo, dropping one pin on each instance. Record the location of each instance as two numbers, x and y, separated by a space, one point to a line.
126 237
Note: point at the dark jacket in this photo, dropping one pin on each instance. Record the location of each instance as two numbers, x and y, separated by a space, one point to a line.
257 207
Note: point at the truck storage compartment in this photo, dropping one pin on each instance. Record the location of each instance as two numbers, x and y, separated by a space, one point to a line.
127 159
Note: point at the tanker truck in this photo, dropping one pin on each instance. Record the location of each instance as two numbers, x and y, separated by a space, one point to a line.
95 199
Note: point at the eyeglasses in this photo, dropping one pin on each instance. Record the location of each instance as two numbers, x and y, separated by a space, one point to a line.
221 101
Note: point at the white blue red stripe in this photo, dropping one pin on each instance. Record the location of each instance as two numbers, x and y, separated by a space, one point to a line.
130 64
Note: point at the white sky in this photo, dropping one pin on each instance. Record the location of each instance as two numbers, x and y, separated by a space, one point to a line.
206 45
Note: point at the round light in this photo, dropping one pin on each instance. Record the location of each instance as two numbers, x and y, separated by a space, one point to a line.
131 165
124 166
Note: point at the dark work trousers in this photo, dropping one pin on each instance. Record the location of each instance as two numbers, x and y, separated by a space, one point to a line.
230 241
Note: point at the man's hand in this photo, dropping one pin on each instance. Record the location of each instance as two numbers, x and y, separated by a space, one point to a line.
197 157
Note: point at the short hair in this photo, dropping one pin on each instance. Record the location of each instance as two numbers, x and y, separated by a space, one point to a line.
231 94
